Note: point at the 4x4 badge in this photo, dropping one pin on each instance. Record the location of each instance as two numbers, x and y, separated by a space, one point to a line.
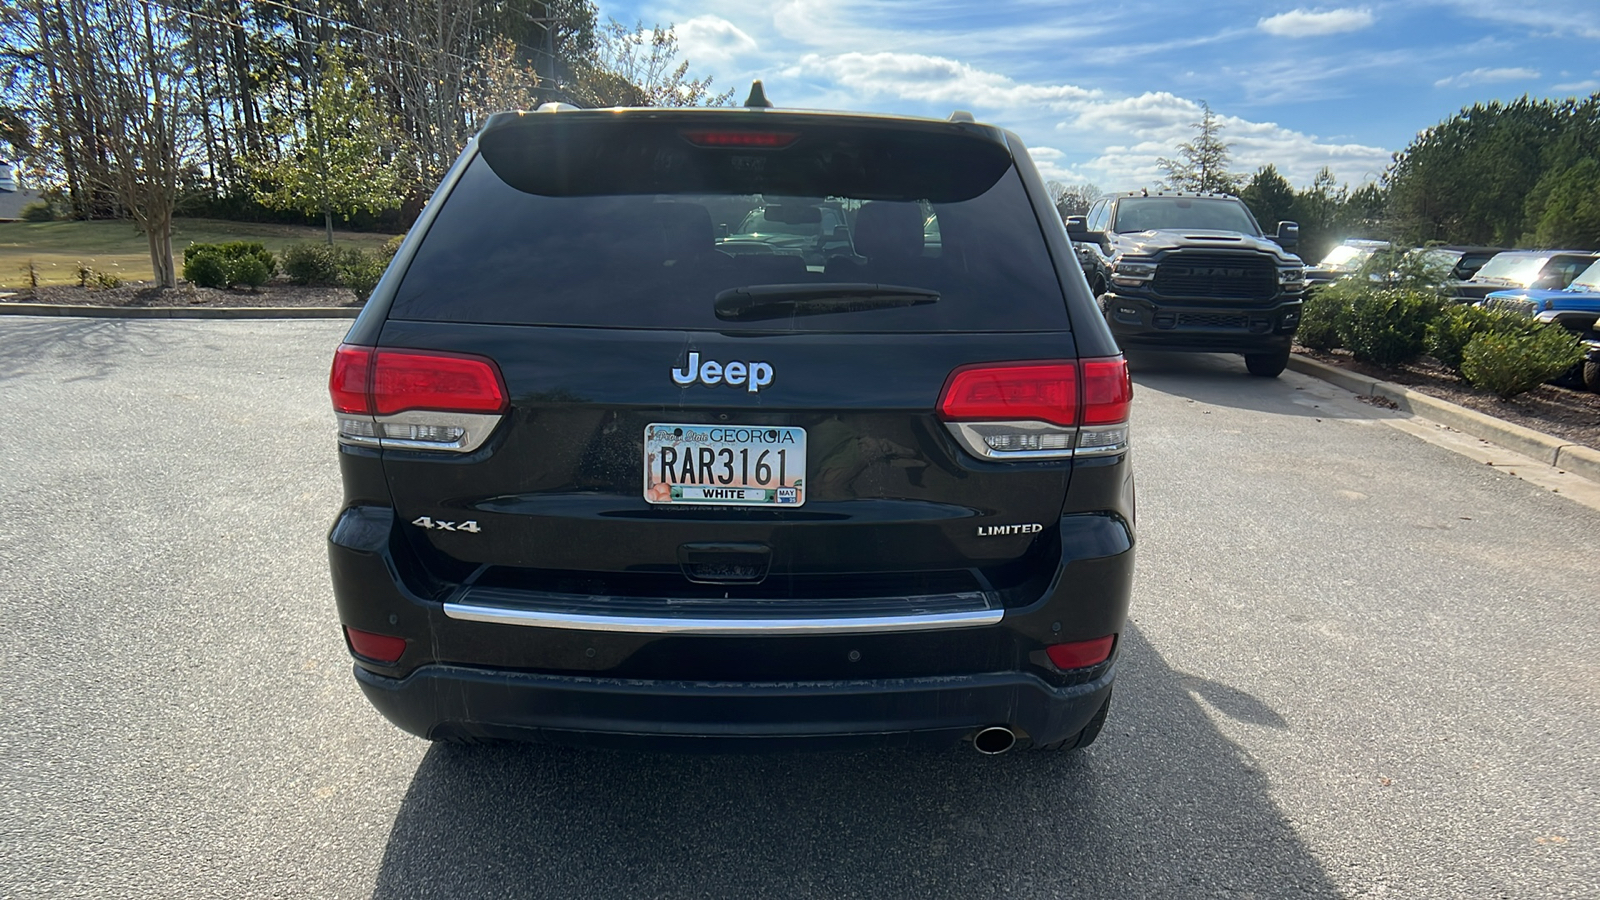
470 526
752 375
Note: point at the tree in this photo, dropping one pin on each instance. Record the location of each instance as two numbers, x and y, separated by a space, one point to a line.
638 67
336 161
1203 162
1072 199
1564 210
1468 178
1318 210
1269 196
110 87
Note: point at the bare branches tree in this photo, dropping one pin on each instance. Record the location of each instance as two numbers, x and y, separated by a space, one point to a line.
639 66
1072 199
119 89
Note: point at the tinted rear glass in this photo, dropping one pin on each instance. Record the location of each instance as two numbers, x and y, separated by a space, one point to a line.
496 254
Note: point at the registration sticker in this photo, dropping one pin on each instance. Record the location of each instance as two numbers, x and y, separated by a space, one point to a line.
724 465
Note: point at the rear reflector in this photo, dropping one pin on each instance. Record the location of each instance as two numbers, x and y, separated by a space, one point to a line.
751 139
1043 392
382 648
1081 654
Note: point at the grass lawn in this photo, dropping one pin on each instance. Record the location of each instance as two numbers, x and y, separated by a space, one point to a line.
58 248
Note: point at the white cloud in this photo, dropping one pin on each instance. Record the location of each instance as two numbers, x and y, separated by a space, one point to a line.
713 39
1586 86
1545 17
1115 141
914 76
1488 76
1312 23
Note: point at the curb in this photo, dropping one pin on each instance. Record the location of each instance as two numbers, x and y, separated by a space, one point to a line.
181 312
1575 458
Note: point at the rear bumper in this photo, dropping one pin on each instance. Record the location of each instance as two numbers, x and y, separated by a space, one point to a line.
528 664
458 701
1211 328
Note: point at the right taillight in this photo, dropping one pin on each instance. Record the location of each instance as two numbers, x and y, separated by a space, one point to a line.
1039 410
414 399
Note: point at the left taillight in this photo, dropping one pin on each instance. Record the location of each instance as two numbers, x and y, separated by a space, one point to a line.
415 400
1039 410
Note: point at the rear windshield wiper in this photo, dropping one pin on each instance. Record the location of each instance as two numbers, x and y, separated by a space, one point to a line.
781 301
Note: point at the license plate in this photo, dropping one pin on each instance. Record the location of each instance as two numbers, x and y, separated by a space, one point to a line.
724 465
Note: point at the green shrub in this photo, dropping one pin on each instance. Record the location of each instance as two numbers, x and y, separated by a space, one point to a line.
240 250
392 246
205 268
248 270
1449 333
1509 363
38 211
311 264
85 275
107 280
359 271
225 265
1389 326
1321 321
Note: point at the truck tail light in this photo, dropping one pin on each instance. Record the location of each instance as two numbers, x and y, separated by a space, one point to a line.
415 400
1039 410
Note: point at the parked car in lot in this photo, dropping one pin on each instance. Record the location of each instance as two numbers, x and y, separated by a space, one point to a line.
1575 308
1344 260
1455 263
1513 269
1184 271
813 231
605 482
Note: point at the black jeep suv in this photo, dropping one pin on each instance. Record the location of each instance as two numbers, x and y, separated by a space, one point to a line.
1183 271
605 482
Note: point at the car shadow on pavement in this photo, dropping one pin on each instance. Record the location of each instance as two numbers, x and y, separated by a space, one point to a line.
1220 379
1162 806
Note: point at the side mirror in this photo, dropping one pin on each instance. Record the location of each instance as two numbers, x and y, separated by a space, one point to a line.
841 233
722 229
1079 233
1288 235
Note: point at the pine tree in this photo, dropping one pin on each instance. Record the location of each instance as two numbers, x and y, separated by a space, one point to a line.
1203 162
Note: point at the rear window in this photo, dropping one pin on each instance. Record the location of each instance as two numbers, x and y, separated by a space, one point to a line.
568 252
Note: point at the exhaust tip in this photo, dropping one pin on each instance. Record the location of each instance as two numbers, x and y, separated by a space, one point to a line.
994 740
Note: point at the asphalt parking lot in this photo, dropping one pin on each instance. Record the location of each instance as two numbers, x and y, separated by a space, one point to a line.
1359 665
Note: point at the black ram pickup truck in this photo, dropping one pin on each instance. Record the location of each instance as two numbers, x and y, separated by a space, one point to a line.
1175 270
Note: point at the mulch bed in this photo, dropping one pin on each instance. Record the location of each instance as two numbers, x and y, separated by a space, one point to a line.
278 293
1572 414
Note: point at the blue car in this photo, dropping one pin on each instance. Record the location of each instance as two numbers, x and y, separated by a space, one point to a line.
1576 308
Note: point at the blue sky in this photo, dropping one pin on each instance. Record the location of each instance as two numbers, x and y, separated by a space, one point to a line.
1098 91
